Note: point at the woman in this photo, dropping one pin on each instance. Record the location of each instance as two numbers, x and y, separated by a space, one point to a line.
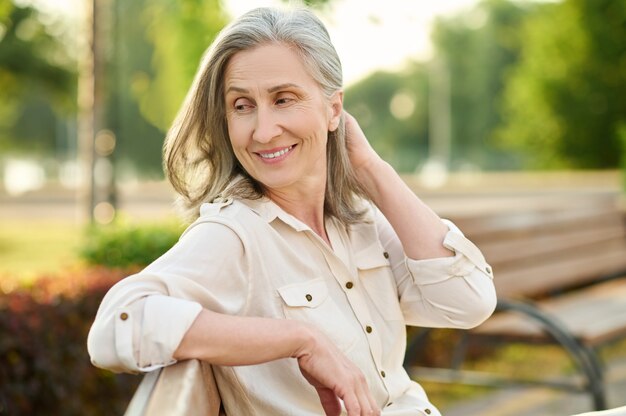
308 254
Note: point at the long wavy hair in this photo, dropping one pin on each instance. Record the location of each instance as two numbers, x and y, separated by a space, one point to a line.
198 157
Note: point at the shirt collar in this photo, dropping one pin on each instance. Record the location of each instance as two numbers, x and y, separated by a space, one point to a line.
270 211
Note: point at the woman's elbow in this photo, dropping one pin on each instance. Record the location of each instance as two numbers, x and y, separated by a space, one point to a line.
101 348
481 307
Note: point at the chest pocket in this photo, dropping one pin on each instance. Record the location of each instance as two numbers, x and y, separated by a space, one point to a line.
376 276
310 302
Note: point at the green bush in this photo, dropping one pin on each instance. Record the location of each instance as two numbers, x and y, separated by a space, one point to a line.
44 365
122 244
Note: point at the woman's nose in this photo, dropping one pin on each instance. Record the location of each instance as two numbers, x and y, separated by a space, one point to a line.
267 126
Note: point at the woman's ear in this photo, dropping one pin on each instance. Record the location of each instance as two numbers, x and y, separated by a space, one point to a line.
335 108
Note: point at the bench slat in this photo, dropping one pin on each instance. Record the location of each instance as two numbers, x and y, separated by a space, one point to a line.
535 280
594 315
499 226
500 253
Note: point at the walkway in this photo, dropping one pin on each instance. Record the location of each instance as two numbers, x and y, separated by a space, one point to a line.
540 401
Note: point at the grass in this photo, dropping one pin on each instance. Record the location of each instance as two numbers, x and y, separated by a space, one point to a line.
32 247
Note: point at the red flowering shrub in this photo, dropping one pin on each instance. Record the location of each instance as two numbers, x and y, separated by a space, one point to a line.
44 366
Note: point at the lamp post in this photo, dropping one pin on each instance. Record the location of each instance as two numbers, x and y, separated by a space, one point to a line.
95 137
435 171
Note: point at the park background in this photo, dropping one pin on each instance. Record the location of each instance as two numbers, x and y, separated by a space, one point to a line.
501 96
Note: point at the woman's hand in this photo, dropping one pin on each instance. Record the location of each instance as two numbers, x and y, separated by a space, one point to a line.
335 378
361 153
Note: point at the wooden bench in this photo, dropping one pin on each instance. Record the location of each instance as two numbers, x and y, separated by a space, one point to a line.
560 276
186 388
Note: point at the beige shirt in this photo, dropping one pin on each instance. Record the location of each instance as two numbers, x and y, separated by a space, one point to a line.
251 258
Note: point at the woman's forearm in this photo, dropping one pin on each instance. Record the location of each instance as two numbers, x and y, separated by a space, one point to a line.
233 340
420 230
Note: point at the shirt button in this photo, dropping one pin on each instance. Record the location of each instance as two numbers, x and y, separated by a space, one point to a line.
386 255
368 329
389 404
488 270
123 316
349 285
383 374
309 297
427 411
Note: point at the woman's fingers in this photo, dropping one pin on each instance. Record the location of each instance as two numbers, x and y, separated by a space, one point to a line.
335 377
359 150
366 404
330 401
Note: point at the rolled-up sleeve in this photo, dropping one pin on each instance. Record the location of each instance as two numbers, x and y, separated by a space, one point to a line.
451 292
467 258
143 318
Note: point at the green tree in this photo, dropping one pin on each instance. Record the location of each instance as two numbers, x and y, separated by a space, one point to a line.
157 48
564 104
36 79
180 31
478 48
392 109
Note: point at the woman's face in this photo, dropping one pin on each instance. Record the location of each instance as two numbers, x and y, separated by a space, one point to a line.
278 118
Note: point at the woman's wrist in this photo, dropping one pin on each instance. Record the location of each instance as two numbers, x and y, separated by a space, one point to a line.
305 338
371 174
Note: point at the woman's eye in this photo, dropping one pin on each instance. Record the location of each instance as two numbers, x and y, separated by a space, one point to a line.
241 105
284 100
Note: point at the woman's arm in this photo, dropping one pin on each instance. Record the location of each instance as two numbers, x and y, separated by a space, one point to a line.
420 230
155 318
442 278
233 340
143 318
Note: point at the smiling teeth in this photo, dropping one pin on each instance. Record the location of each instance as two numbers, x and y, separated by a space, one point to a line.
275 154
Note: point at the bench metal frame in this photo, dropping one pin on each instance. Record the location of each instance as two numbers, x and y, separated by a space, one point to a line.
584 357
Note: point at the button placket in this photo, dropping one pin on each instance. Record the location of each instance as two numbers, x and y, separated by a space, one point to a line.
347 277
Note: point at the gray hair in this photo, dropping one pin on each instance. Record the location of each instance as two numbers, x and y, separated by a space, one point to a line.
198 156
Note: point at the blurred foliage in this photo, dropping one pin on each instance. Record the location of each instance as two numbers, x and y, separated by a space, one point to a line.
532 84
564 102
392 109
157 46
315 4
37 80
180 31
44 365
123 244
478 48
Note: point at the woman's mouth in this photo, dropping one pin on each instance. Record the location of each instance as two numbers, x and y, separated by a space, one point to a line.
276 154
